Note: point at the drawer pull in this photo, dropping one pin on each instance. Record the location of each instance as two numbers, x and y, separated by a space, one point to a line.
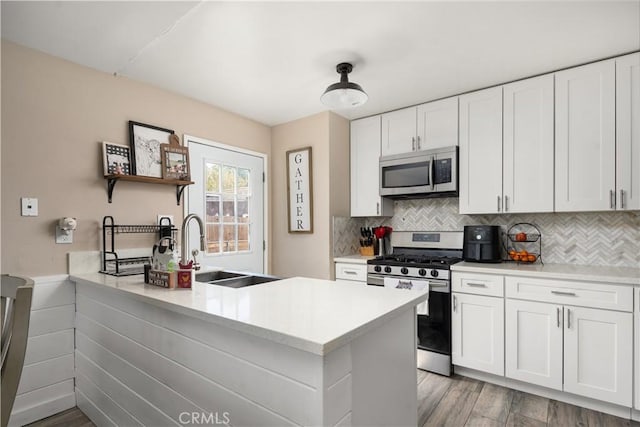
350 272
477 285
569 294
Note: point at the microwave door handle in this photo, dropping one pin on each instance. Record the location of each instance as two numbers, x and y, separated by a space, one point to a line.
432 170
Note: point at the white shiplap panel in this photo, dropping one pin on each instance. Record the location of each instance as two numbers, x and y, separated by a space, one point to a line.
281 359
202 391
156 393
49 346
246 379
52 293
52 319
45 373
135 405
338 400
105 403
89 408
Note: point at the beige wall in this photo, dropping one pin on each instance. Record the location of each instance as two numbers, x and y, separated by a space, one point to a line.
304 254
54 113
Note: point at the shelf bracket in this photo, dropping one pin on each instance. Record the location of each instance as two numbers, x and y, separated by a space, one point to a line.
179 190
111 182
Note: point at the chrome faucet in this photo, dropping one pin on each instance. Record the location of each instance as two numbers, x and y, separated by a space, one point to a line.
183 246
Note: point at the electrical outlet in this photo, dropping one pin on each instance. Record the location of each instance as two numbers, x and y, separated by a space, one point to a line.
62 237
29 206
166 216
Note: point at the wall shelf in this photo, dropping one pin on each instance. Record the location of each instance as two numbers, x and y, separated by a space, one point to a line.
113 179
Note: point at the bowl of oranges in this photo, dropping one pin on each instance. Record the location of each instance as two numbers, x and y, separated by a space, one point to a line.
523 256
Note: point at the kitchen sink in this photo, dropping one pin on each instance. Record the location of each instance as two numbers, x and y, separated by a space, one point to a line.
232 279
211 276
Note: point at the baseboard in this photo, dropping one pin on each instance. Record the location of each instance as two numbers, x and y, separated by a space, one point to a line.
562 396
42 410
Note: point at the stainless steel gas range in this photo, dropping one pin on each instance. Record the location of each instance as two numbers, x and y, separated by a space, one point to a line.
419 258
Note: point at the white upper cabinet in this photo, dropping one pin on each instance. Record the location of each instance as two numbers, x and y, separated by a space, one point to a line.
481 151
365 170
585 138
437 124
628 132
528 145
399 131
427 126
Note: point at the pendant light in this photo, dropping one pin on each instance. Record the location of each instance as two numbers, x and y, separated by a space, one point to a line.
344 94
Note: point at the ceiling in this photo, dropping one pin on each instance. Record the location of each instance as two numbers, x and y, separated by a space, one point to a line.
271 61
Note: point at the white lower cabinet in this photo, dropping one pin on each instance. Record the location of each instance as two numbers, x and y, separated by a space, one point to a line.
477 331
598 348
533 342
351 272
584 351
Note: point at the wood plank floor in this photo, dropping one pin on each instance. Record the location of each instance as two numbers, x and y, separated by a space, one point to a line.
457 402
464 402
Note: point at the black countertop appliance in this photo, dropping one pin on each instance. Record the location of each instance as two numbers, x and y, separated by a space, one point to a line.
482 243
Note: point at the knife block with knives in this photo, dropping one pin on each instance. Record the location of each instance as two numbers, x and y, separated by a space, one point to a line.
367 242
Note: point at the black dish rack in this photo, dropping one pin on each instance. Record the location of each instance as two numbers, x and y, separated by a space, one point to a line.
115 265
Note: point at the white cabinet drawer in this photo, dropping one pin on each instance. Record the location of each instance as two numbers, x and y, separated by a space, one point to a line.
584 294
478 284
357 272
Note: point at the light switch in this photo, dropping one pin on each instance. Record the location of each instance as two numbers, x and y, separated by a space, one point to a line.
29 206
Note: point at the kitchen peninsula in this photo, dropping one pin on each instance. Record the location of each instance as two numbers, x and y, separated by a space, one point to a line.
297 351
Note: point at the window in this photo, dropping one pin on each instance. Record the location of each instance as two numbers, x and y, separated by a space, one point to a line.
227 201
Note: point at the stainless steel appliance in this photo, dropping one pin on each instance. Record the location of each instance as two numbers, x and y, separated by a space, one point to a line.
425 256
482 243
428 173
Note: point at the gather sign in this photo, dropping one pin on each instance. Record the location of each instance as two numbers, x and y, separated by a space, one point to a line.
300 190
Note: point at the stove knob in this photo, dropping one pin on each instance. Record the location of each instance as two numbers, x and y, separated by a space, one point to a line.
377 269
434 273
387 269
422 272
404 270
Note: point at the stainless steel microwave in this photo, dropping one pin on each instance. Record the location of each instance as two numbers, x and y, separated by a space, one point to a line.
427 173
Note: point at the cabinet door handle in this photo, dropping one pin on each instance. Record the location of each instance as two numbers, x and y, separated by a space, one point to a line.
622 194
569 294
568 318
612 199
477 285
418 141
506 203
413 143
558 315
455 303
498 203
378 208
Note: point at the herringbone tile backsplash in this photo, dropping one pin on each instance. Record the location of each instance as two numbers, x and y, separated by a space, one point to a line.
591 238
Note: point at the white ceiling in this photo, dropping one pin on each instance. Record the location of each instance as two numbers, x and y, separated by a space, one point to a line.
271 61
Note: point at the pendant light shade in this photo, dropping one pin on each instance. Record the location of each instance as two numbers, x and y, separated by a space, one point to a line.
344 94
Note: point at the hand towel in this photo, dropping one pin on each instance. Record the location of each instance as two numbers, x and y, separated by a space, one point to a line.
419 285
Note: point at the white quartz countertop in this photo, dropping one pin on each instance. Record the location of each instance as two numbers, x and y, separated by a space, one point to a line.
353 259
617 275
313 315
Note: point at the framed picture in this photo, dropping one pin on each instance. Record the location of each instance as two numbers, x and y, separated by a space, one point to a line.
145 143
300 191
175 162
116 159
